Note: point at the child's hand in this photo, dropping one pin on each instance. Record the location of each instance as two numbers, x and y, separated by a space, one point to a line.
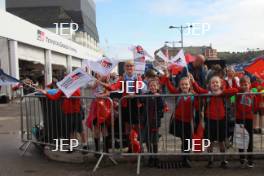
191 77
166 73
98 96
42 91
139 105
98 82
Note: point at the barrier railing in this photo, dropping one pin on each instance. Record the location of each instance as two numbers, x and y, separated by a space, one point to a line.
68 124
194 124
145 125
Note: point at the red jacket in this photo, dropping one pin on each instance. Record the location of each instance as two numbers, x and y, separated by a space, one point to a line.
118 86
215 106
163 80
184 109
246 105
69 105
260 97
171 88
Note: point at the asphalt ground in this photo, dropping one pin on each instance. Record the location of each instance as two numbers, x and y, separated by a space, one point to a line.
33 163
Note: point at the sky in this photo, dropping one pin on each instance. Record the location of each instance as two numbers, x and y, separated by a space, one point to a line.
2 4
229 25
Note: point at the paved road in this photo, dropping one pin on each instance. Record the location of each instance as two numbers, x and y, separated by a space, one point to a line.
35 164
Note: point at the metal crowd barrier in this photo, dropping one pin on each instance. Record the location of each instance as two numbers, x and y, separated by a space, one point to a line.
171 138
135 130
44 123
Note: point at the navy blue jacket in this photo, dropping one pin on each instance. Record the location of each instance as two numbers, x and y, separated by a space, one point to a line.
198 74
153 111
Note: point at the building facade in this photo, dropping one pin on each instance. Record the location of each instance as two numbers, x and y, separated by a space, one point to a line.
49 14
30 51
207 51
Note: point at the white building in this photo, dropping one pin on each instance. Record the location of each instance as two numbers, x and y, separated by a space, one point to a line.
29 50
52 14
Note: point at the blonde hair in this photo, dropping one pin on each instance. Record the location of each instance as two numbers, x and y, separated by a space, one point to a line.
129 62
218 77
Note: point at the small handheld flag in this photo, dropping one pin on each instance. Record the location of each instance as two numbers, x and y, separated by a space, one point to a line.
103 65
162 56
256 68
6 79
140 56
139 52
180 60
74 81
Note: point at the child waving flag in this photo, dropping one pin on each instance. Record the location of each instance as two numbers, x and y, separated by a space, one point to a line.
74 81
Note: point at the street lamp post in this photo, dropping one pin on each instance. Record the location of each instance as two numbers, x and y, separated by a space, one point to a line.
181 30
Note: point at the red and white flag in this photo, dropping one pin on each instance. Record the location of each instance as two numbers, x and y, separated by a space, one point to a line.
103 65
162 56
256 68
74 81
139 55
179 59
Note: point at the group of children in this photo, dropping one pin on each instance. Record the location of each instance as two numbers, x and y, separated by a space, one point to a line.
214 113
136 112
143 115
146 113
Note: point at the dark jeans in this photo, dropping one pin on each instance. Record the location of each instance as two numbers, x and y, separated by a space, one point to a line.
182 130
